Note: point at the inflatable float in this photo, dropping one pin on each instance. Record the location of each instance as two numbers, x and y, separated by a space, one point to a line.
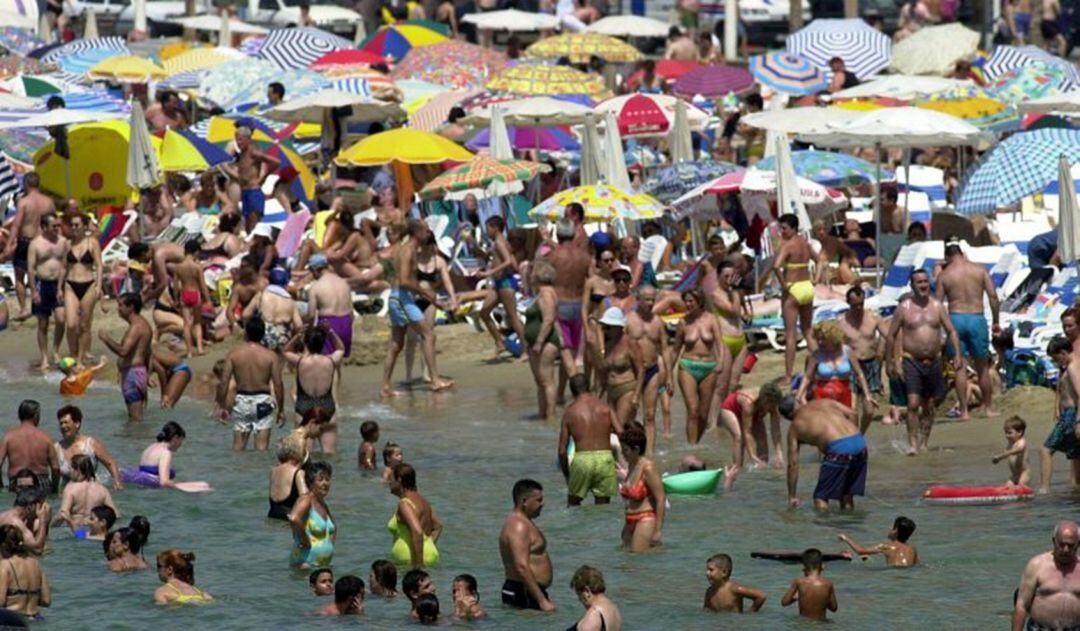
795 556
693 482
141 477
942 495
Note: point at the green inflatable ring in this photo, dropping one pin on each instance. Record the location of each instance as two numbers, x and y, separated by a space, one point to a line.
693 482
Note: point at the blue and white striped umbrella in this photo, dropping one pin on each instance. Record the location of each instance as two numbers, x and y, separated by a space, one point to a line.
1006 58
352 85
788 73
189 80
299 47
85 100
1020 165
865 50
82 45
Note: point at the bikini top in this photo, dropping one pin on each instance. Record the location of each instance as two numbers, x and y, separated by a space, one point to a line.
603 625
637 492
18 590
220 250
198 597
826 369
427 277
86 259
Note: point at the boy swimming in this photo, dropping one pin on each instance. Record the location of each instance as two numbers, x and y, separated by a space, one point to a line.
1015 452
814 592
897 551
725 594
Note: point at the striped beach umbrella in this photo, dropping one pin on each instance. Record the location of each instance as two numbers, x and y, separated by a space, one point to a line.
480 173
54 55
1008 58
397 40
1020 165
526 138
183 150
299 47
865 50
200 59
787 73
713 81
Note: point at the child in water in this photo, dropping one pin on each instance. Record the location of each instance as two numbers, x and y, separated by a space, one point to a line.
369 432
1016 452
414 584
76 383
101 520
466 598
814 592
897 551
725 594
348 598
392 455
383 579
322 582
427 609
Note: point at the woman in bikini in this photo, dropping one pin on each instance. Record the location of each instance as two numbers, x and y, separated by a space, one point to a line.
621 372
830 370
595 299
211 199
792 269
287 479
727 301
223 246
433 274
173 375
700 359
176 570
746 409
315 378
643 492
74 443
82 287
543 338
82 495
22 581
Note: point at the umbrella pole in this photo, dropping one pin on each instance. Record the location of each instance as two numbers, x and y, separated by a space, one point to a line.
907 185
877 211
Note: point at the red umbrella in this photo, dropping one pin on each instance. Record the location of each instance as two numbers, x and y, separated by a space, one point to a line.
671 69
713 81
346 57
638 115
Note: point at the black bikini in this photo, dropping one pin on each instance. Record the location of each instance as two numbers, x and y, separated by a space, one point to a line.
428 277
281 510
80 288
603 624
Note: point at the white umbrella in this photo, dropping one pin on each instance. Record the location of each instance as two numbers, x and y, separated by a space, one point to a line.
500 148
20 14
536 111
614 166
629 26
897 127
139 21
788 198
590 152
215 23
91 30
1068 214
512 20
680 143
902 87
313 107
934 50
9 101
800 120
1065 103
143 171
59 117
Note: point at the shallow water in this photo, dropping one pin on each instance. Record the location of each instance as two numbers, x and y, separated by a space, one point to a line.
468 457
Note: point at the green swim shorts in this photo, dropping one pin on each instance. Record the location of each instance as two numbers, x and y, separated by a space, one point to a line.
592 471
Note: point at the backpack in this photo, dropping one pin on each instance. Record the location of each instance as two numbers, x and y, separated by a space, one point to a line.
1023 367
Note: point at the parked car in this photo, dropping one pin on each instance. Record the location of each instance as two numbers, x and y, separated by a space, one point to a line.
266 13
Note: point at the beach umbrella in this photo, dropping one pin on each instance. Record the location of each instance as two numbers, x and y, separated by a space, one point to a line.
1033 81
434 112
19 41
431 25
713 81
1020 165
535 111
345 57
127 69
902 87
143 171
546 79
218 24
452 63
316 106
934 50
671 182
28 85
182 150
73 68
298 47
671 69
754 184
12 65
787 73
273 138
60 117
96 173
828 168
529 138
200 59
54 54
512 20
244 81
613 167
396 41
641 115
1007 58
91 29
499 147
482 172
580 47
788 196
984 113
900 127
799 120
602 202
629 26
865 50
1064 103
405 145
590 152
1068 214
680 144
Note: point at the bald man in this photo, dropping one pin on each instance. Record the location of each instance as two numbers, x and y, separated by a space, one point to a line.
1049 594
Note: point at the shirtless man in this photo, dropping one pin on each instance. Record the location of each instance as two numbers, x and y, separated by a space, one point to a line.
168 112
405 316
250 169
963 284
571 263
330 303
680 46
133 355
165 256
259 390
864 334
1049 594
647 331
30 514
45 262
29 447
25 227
915 349
792 269
501 269
830 427
590 422
523 549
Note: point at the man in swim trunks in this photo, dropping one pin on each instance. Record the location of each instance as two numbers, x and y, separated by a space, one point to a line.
571 263
27 447
647 331
1049 594
330 302
259 390
792 269
24 228
133 355
523 549
864 333
963 284
590 423
915 348
250 169
45 263
831 427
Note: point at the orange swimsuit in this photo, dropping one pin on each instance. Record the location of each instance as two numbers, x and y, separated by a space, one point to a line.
639 492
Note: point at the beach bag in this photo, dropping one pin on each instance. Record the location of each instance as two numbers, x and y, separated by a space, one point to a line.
1025 368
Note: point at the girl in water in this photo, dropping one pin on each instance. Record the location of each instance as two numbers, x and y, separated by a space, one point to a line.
414 526
22 581
123 548
176 570
314 532
701 358
82 288
82 495
643 492
830 370
155 464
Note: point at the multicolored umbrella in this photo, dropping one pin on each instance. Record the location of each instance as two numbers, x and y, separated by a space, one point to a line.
601 203
580 47
275 142
27 85
126 69
13 65
345 57
1033 81
1018 166
19 40
671 69
787 73
406 145
182 150
433 113
20 145
481 172
673 181
54 54
1009 58
865 50
76 65
451 63
754 183
547 79
640 115
828 168
985 113
396 41
240 82
526 138
713 81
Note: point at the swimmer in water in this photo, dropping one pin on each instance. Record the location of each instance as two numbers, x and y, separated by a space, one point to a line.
322 582
176 570
466 598
392 455
415 584
173 375
383 579
101 521
156 460
369 432
426 607
81 495
897 551
814 592
76 381
1015 452
725 594
348 598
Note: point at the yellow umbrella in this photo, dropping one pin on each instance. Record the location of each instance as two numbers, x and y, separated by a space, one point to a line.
547 79
579 47
196 59
127 69
859 106
975 107
409 146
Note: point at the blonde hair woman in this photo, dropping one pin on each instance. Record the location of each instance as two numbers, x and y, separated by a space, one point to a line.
830 370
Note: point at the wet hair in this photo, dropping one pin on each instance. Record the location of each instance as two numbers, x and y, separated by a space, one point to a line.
70 410
228 222
182 563
410 583
388 450
314 576
84 465
574 210
405 474
543 273
904 528
812 559
29 496
11 541
856 291
830 331
347 587
132 301
385 573
790 220
1016 423
496 222
525 487
722 562
427 608
170 431
579 384
633 436
192 247
590 578
131 538
770 393
469 580
369 431
106 544
141 525
317 415
29 409
105 514
314 468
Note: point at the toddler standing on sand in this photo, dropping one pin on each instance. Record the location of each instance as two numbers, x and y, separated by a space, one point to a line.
1016 452
814 592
